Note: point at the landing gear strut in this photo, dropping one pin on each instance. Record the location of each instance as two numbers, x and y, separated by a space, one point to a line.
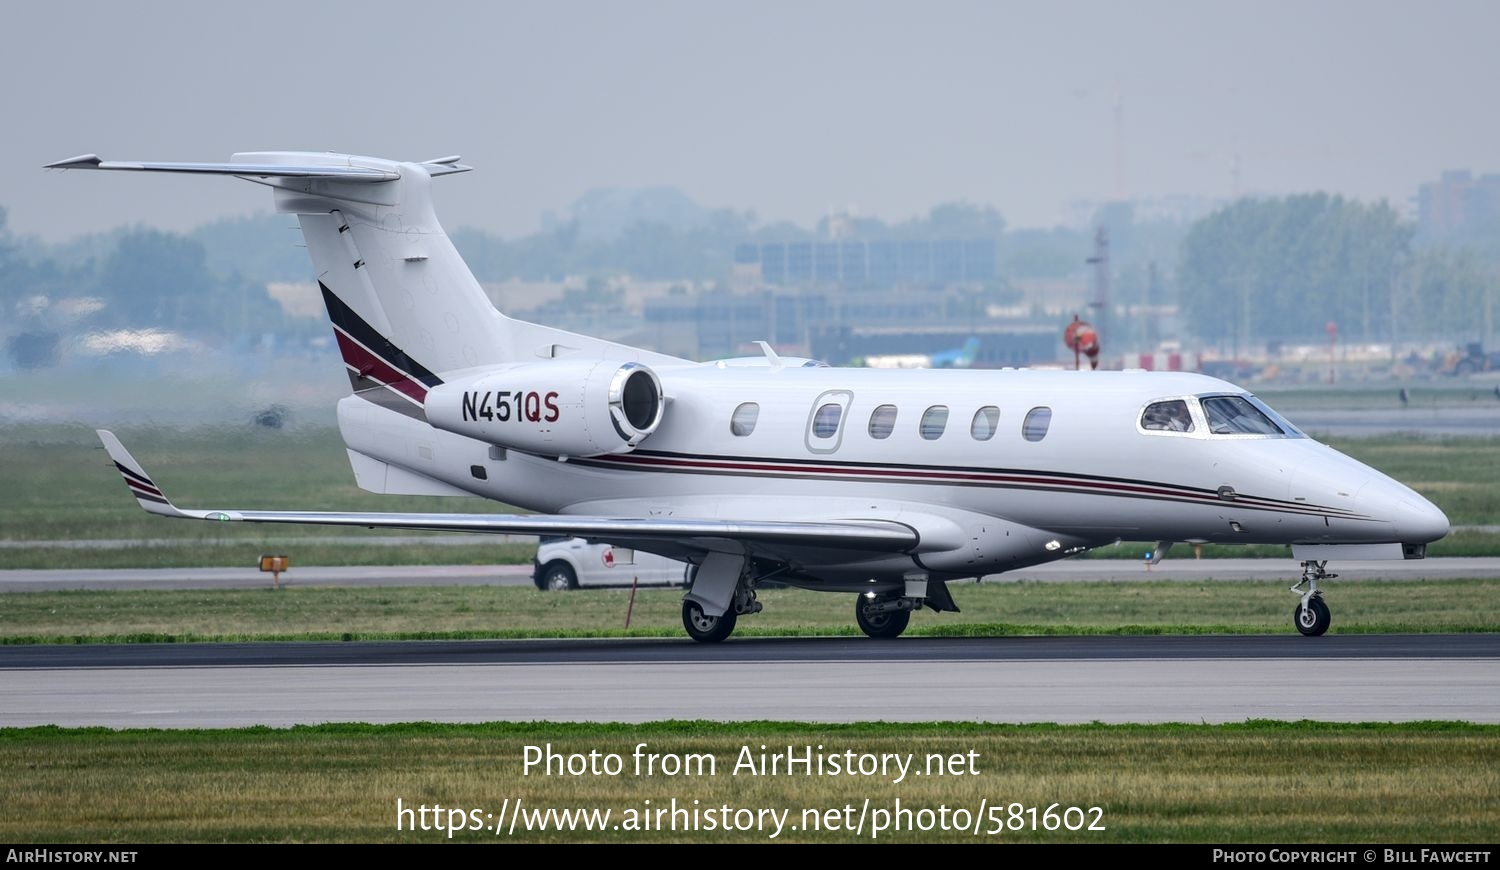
1311 615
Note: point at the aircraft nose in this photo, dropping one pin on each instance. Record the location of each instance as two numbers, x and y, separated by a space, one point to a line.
1416 520
1421 521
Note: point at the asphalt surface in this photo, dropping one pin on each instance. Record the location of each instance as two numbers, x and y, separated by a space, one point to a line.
1107 679
1183 567
752 650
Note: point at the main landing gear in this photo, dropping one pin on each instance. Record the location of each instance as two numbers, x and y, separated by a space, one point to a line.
704 628
722 589
713 629
1311 615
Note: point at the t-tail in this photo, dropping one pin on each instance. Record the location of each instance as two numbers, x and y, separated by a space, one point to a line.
407 313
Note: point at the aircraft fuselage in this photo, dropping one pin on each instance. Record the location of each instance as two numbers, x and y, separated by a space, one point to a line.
1024 466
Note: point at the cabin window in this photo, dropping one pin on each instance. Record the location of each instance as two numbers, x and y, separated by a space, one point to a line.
743 421
982 427
1233 415
882 422
1171 416
934 421
826 420
1036 424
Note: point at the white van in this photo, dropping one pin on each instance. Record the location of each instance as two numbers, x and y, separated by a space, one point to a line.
569 563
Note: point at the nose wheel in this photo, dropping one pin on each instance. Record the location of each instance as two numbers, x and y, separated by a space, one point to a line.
1311 616
880 618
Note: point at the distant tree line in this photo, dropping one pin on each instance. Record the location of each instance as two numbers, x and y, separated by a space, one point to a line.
133 278
1285 268
1255 270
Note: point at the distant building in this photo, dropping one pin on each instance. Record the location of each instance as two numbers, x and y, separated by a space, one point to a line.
1458 203
1083 214
999 345
874 264
838 326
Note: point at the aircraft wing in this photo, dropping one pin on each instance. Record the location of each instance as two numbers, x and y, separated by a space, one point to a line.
872 536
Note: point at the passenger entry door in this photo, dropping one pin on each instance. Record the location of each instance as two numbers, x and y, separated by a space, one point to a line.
825 421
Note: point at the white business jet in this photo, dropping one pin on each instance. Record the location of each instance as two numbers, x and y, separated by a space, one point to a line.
884 484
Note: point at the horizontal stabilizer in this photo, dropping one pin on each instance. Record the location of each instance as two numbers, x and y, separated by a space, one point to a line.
246 170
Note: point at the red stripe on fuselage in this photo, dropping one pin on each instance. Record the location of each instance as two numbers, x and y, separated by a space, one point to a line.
845 470
364 361
712 465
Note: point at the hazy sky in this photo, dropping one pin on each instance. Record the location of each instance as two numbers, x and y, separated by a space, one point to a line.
787 108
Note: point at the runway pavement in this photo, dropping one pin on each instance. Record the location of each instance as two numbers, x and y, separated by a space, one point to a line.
1108 679
1183 568
1480 420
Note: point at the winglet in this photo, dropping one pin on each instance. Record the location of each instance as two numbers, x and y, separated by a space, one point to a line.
137 481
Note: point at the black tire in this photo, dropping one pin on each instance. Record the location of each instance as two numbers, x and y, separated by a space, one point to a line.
706 629
882 625
558 577
1314 620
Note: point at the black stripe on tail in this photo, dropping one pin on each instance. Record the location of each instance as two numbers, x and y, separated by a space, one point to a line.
355 327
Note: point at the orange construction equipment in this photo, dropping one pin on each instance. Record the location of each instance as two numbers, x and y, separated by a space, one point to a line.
1082 338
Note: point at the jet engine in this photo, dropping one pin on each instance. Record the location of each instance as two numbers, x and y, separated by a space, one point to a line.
562 408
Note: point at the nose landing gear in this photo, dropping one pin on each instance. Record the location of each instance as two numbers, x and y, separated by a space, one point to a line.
883 617
1311 615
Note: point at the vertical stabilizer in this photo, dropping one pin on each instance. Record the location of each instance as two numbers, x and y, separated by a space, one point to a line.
381 251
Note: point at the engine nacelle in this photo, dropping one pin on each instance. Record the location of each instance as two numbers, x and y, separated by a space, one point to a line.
559 408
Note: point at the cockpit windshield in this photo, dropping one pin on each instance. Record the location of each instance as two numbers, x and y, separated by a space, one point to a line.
1281 422
1237 415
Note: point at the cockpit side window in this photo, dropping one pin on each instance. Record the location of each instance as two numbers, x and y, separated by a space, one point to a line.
1233 415
1168 416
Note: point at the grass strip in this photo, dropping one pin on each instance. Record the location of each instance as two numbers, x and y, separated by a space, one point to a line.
1252 782
989 609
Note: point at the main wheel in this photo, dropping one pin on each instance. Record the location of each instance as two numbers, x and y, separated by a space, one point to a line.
1313 619
704 628
888 624
559 577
